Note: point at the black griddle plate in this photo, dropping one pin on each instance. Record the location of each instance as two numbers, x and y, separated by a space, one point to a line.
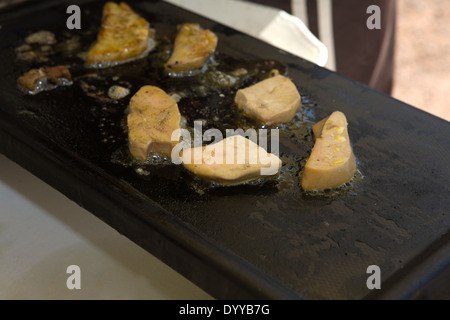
262 240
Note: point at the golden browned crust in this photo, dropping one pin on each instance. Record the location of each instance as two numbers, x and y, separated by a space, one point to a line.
123 36
192 47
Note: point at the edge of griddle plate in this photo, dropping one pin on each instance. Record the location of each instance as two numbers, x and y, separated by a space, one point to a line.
213 268
425 277
222 274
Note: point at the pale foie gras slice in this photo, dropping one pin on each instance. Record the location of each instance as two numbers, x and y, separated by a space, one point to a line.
232 160
152 121
271 101
332 162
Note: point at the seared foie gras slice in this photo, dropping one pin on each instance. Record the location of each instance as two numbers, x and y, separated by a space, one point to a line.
272 101
233 160
44 79
124 35
153 117
192 47
332 162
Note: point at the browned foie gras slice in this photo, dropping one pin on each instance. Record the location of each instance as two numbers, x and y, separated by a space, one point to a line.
192 48
44 79
152 120
271 101
124 36
232 160
332 162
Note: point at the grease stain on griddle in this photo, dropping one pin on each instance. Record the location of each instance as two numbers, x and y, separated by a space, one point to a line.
206 96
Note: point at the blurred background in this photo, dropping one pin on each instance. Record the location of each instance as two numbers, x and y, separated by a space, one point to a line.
422 59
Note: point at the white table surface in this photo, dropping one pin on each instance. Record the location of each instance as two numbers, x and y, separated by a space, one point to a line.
42 233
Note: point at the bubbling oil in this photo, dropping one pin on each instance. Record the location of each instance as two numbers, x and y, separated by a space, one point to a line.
206 95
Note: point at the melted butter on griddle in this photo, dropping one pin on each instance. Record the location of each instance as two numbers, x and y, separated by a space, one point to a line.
206 96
